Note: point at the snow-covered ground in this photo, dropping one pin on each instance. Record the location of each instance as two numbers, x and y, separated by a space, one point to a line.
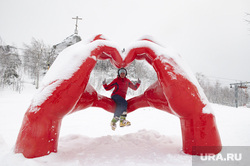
87 139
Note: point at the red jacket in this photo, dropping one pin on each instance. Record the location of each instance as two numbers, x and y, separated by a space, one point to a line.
121 86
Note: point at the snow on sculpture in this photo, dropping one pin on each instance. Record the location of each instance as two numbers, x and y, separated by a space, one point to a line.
66 90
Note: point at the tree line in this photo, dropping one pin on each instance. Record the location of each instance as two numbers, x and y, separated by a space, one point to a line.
35 59
31 64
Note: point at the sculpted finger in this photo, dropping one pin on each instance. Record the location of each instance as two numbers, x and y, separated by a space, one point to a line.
90 98
179 84
139 51
105 49
152 97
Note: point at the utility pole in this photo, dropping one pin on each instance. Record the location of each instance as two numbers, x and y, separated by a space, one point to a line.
242 85
76 18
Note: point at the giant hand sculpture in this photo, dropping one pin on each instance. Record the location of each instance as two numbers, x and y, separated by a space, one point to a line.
178 93
65 90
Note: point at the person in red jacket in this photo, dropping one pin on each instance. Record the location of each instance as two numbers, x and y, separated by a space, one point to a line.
120 85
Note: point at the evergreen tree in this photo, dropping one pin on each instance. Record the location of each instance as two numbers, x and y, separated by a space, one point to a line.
9 67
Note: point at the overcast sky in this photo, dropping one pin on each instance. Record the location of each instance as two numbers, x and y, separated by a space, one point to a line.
212 36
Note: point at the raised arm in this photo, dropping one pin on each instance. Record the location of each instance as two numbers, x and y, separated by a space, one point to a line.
133 86
110 86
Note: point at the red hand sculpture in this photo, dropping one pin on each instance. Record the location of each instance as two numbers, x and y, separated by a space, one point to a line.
174 92
39 133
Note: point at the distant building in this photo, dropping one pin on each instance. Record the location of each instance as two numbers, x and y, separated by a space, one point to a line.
66 43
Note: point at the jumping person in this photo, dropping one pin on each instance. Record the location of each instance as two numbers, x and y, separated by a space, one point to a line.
121 84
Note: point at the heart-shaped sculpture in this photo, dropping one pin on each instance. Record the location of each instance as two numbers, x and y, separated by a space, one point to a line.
66 90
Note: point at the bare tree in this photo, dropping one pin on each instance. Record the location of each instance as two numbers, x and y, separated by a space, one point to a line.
37 59
248 18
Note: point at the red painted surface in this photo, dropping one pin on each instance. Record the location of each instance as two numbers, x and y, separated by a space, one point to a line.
177 95
40 129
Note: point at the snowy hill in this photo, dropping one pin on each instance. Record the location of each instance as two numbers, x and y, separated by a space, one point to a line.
86 138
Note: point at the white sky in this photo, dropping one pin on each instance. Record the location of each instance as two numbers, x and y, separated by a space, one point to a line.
212 36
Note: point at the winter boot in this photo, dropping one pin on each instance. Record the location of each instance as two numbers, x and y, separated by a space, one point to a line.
113 123
124 122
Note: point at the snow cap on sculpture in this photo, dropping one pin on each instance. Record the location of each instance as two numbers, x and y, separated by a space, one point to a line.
166 54
65 66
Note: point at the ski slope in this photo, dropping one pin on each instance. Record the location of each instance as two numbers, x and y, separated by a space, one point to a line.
154 139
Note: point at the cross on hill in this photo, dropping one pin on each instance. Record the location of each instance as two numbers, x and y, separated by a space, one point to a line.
76 18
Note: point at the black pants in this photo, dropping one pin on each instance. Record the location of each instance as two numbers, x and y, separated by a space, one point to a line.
121 105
